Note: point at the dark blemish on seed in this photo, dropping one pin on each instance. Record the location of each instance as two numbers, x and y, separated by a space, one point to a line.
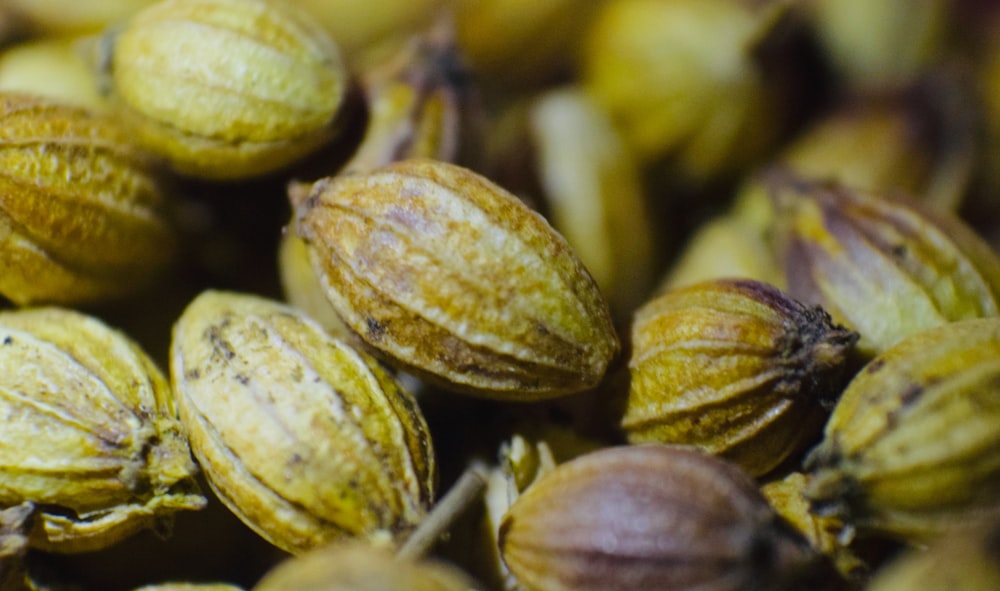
242 378
874 366
906 398
194 374
219 344
910 394
898 251
376 330
7 340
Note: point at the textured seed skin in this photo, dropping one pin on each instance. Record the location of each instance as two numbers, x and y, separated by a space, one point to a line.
81 214
421 104
911 447
305 439
226 89
884 265
736 367
451 276
655 517
90 436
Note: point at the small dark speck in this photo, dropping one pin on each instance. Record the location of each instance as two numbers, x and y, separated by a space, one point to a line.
874 366
194 374
242 378
911 394
7 340
219 344
898 251
375 329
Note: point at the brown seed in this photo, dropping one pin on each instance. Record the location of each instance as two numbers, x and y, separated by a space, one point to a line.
653 517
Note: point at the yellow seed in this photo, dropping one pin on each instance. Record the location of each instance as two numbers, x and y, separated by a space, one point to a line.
593 193
910 448
52 67
81 211
680 79
359 25
880 44
47 17
226 89
113 458
736 367
305 439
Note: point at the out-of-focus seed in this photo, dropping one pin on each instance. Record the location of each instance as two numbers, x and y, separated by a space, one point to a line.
226 89
911 447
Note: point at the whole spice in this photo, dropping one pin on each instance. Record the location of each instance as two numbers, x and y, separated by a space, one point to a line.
880 44
593 193
90 441
81 210
725 246
70 17
56 68
305 439
421 104
911 447
450 276
362 26
918 143
654 517
735 367
226 89
682 80
521 43
882 264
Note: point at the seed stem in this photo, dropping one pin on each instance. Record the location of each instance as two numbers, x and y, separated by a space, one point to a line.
462 494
